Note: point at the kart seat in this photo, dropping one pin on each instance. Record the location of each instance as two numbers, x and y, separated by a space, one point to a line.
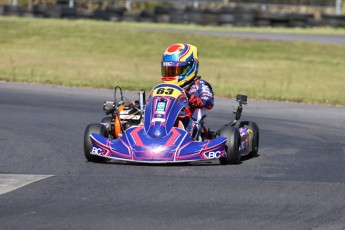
179 124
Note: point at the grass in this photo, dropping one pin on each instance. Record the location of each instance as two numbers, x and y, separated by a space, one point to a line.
104 54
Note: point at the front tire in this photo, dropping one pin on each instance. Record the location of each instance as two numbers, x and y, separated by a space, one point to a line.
232 135
109 123
93 128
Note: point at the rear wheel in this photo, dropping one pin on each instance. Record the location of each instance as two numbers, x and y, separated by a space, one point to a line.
255 140
93 128
232 135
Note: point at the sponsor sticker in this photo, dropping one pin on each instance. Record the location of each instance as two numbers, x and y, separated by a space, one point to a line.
213 155
96 151
167 63
160 106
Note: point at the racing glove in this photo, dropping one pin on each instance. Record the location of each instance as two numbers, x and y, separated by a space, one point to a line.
195 102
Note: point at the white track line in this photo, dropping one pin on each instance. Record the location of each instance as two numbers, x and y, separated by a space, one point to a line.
10 182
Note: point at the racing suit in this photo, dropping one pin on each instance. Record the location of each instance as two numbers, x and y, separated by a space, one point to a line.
201 99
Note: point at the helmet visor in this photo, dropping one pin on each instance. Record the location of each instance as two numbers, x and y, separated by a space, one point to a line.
170 69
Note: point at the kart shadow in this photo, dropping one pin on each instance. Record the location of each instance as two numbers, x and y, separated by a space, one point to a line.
212 163
246 158
180 164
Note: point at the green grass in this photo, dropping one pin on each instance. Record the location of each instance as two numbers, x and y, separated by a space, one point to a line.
104 54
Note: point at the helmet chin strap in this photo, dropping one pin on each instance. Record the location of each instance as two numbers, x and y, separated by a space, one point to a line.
187 87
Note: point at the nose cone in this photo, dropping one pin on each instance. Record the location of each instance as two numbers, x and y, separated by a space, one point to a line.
157 130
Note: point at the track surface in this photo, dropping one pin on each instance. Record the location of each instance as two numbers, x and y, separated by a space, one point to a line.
286 37
297 182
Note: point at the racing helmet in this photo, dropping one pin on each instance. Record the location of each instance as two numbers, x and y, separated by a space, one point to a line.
180 64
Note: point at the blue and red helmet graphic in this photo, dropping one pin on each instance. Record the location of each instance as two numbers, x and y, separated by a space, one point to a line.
179 64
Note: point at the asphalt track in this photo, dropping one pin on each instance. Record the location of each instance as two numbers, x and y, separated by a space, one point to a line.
268 36
297 181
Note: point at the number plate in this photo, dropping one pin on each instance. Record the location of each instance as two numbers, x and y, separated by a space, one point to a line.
166 91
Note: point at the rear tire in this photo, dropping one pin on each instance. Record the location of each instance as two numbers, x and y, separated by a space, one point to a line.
93 128
255 141
232 145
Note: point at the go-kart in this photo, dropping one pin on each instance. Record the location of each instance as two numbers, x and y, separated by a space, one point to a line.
152 132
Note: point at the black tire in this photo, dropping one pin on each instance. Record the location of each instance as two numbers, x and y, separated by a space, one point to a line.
93 128
161 10
255 141
107 121
232 145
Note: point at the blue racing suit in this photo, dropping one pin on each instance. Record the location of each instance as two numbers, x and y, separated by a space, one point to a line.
201 89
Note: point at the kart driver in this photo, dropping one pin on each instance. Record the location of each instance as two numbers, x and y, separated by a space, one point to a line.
180 65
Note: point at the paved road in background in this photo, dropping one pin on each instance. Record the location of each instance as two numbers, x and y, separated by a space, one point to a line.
287 37
297 182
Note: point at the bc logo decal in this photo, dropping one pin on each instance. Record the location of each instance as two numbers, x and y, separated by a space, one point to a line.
213 155
96 151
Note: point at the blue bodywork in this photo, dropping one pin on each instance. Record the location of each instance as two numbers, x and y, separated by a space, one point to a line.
158 140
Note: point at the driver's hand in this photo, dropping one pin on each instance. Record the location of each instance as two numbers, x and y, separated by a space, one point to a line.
195 102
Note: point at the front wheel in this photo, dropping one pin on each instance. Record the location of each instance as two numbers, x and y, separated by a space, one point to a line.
109 126
93 128
233 137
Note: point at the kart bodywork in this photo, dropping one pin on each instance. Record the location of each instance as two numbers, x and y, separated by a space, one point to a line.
159 137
